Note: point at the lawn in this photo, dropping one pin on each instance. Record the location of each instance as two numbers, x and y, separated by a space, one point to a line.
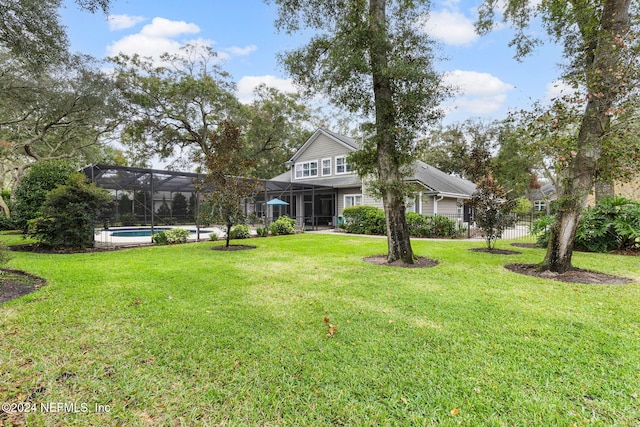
183 335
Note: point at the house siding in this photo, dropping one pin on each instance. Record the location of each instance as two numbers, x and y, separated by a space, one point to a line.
323 148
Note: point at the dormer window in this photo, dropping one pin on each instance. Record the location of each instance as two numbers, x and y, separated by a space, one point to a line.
307 169
342 166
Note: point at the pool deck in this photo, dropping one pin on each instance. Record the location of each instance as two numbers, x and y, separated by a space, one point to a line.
104 237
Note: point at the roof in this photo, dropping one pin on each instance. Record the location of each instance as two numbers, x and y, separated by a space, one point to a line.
125 178
346 141
442 183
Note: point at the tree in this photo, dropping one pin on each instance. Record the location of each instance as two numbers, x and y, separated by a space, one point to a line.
369 58
601 49
62 113
226 185
492 210
32 32
175 106
179 206
274 124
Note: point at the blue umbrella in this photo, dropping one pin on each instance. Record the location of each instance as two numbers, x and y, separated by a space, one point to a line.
277 202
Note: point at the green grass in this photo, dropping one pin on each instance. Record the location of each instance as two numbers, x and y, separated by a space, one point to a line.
182 335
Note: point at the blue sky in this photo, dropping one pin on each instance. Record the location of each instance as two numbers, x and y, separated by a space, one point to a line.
489 80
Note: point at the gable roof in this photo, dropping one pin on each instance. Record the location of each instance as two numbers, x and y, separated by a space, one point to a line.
350 143
442 183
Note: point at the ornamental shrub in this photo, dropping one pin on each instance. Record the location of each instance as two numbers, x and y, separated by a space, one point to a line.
160 238
364 220
31 193
240 231
262 231
433 226
614 223
541 229
283 225
70 214
177 235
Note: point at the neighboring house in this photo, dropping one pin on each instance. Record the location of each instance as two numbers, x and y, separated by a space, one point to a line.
321 163
542 197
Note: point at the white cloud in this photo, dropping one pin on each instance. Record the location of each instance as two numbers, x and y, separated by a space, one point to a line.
247 84
122 22
451 27
162 27
478 93
241 51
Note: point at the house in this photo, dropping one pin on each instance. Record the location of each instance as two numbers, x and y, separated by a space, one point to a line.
321 165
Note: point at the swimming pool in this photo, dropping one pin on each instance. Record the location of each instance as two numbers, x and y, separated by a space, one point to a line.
142 235
140 232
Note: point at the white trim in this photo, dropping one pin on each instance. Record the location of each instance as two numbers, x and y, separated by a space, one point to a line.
346 166
344 205
322 166
300 167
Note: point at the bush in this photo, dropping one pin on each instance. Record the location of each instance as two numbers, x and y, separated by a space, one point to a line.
433 226
492 210
283 225
364 220
541 229
31 193
70 214
127 219
262 231
213 236
240 231
160 238
177 235
614 223
6 223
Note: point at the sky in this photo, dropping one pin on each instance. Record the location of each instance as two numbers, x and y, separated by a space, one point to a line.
489 80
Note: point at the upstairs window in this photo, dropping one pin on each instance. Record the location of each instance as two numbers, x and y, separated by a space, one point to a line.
307 169
342 166
326 167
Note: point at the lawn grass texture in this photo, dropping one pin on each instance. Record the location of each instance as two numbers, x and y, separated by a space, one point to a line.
183 335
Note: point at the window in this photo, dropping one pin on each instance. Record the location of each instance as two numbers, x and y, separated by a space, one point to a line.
352 200
307 169
326 167
341 165
539 205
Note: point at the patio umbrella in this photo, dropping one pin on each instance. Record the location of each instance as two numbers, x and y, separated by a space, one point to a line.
279 203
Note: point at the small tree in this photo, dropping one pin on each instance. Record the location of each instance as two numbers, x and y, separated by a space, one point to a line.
70 214
225 186
492 209
179 206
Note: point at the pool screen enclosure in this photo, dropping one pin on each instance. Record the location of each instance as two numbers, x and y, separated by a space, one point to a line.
160 197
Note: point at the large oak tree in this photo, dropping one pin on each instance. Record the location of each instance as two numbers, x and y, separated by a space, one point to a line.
370 57
600 48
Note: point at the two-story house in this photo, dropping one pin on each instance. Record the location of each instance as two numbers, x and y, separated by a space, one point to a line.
321 164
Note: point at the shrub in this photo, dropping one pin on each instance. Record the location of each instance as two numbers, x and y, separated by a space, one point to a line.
433 226
262 231
31 193
70 214
283 225
160 238
364 220
541 229
614 223
6 223
240 231
177 235
213 236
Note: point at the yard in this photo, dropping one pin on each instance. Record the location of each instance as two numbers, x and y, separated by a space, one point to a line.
301 331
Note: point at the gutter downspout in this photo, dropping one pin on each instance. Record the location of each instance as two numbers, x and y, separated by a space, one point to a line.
435 204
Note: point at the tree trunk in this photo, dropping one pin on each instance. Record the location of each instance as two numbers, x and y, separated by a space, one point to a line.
390 180
4 207
605 80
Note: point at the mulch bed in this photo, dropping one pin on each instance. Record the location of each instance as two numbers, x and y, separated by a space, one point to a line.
420 262
232 248
526 245
576 275
32 247
495 251
16 283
